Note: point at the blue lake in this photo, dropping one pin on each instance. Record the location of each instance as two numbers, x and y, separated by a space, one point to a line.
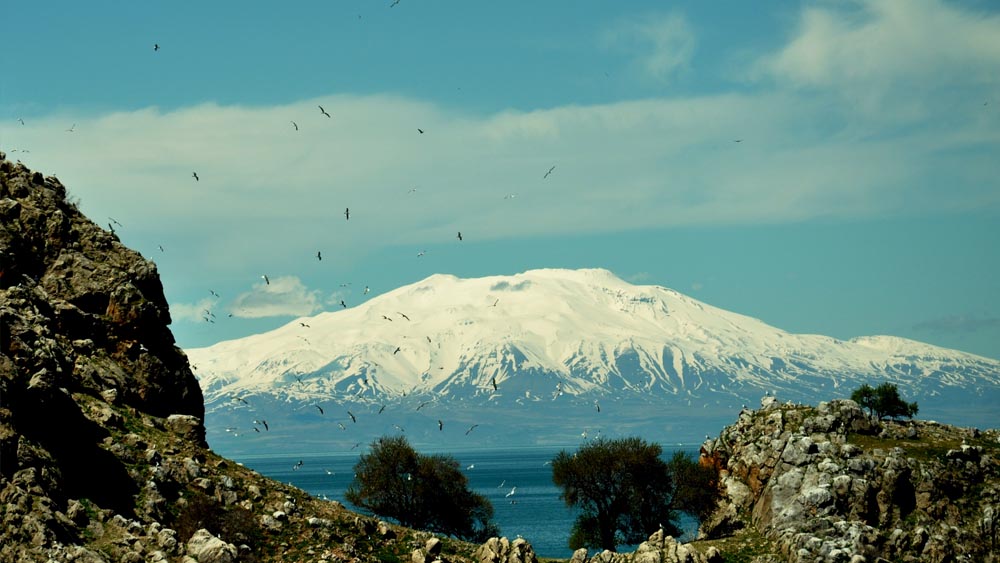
534 510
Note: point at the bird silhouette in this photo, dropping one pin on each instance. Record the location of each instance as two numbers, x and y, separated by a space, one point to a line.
459 235
471 428
440 425
160 246
396 350
419 130
195 176
403 315
366 290
354 419
304 325
347 213
296 125
342 304
320 409
156 46
386 318
549 172
214 294
493 381
20 120
323 111
267 280
381 409
319 255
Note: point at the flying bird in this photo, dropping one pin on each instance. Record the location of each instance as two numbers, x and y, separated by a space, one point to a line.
598 405
419 130
386 318
421 253
381 409
428 339
353 418
398 427
341 425
72 127
366 290
737 140
304 325
347 214
394 2
160 246
471 428
342 304
320 409
493 381
459 235
512 491
214 294
195 176
296 125
323 111
156 46
395 351
440 425
403 315
549 172
319 255
21 121
422 405
266 279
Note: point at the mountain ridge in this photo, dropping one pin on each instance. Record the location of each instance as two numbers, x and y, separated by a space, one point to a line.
580 336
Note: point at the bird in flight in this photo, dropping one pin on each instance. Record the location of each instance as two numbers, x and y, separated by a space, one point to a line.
396 350
381 409
160 246
512 491
422 405
386 318
598 405
471 428
70 130
549 172
419 130
20 120
394 2
266 279
195 176
319 255
296 125
737 140
353 418
398 427
342 304
366 290
115 222
156 46
459 235
493 381
212 291
347 214
304 325
320 409
403 315
323 111
421 253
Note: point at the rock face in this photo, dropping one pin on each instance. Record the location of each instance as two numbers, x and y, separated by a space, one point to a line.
102 445
830 484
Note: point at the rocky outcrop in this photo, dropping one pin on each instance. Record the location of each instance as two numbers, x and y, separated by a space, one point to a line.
102 446
831 484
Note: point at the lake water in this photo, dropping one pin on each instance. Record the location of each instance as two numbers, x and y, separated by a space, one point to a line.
538 514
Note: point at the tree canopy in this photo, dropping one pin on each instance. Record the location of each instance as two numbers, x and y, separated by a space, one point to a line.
625 491
419 491
883 401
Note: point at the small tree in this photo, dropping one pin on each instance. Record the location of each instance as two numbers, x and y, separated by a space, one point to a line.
884 401
625 491
425 492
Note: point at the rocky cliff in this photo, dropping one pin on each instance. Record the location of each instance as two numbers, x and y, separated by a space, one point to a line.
102 445
830 484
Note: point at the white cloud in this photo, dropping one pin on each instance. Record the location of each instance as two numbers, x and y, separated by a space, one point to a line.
662 44
871 50
196 312
283 296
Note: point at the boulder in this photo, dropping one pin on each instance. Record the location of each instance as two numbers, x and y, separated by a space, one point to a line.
206 548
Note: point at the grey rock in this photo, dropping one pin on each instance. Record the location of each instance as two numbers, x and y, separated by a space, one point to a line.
206 548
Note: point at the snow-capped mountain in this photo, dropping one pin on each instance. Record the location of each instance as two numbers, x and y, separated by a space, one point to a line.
554 354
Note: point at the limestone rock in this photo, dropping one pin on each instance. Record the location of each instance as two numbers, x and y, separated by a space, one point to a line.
206 548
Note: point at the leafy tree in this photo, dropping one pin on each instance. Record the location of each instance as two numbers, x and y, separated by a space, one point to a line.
424 492
883 401
625 491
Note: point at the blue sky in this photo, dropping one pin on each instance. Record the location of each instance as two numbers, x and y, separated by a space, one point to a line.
862 197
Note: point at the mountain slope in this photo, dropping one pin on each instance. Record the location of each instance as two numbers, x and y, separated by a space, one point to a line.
566 340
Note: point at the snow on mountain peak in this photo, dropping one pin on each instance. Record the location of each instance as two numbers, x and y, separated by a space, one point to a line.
580 333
